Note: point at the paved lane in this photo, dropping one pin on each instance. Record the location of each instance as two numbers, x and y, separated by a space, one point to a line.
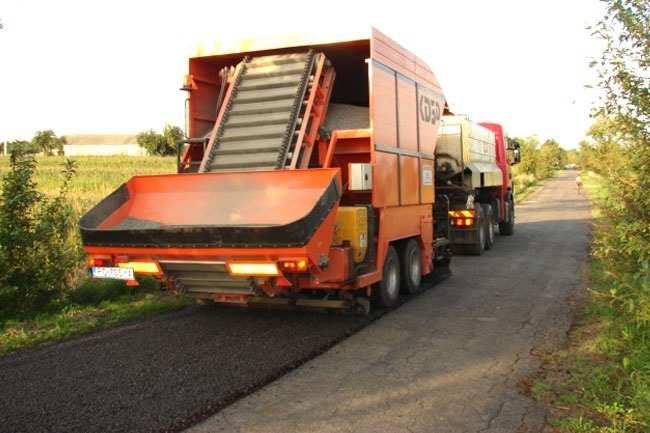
450 360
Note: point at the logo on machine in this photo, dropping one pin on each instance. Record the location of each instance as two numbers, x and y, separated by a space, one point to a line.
430 110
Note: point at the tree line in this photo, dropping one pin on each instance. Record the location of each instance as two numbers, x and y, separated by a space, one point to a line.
48 143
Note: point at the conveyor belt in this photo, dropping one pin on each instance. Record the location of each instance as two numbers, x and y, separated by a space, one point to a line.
262 114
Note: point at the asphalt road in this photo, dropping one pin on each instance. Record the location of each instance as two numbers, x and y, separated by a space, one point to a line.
452 360
447 359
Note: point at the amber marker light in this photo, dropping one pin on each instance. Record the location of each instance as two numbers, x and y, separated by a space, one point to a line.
262 269
297 265
141 267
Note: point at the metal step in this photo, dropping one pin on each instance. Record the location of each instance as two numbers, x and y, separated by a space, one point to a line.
242 120
283 105
265 131
265 71
278 59
261 95
247 146
245 160
271 82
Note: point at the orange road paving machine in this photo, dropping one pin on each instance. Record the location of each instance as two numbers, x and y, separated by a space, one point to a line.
307 180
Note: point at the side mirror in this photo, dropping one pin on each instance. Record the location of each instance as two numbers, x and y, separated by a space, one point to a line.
514 153
517 154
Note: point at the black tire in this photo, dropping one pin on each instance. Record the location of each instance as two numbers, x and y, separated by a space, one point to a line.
386 292
411 269
489 226
507 227
478 246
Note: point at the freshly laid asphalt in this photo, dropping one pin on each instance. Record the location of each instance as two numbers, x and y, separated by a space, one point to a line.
452 360
447 361
161 374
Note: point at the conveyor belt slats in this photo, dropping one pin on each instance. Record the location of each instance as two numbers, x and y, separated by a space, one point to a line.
259 121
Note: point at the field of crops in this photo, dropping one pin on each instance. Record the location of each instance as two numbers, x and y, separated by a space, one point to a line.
97 176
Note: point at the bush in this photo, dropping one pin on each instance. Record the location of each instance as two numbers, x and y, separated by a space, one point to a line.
160 144
38 249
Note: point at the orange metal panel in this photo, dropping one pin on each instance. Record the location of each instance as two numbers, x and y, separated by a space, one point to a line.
401 222
397 48
384 180
386 61
426 76
409 180
337 270
392 54
430 108
203 100
407 115
426 186
231 198
384 122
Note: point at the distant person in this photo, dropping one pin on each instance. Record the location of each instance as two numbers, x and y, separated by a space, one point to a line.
579 184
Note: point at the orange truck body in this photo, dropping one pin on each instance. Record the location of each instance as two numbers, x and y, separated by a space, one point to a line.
288 215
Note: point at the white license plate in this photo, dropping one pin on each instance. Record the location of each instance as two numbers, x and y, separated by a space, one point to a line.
113 273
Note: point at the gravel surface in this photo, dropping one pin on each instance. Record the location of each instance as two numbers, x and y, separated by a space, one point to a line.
344 116
137 224
160 374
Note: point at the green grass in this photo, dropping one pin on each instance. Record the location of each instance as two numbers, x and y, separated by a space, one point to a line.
601 382
92 304
73 320
97 176
524 185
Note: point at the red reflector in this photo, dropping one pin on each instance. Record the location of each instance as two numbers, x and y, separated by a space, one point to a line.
97 262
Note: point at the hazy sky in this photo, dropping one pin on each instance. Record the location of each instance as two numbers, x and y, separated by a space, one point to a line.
116 66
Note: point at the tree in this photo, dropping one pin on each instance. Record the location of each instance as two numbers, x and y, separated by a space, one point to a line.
551 156
48 142
23 146
160 144
529 148
622 129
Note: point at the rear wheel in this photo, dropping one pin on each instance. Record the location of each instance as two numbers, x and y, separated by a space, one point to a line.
507 227
411 270
478 246
385 292
489 226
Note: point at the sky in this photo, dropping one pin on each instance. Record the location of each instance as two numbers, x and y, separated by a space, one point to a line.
81 67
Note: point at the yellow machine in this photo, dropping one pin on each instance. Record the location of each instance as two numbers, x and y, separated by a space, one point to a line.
352 227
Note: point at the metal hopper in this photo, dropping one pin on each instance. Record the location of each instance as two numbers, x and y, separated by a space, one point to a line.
227 209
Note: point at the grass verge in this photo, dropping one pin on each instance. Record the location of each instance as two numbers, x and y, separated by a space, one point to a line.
600 383
93 306
524 185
